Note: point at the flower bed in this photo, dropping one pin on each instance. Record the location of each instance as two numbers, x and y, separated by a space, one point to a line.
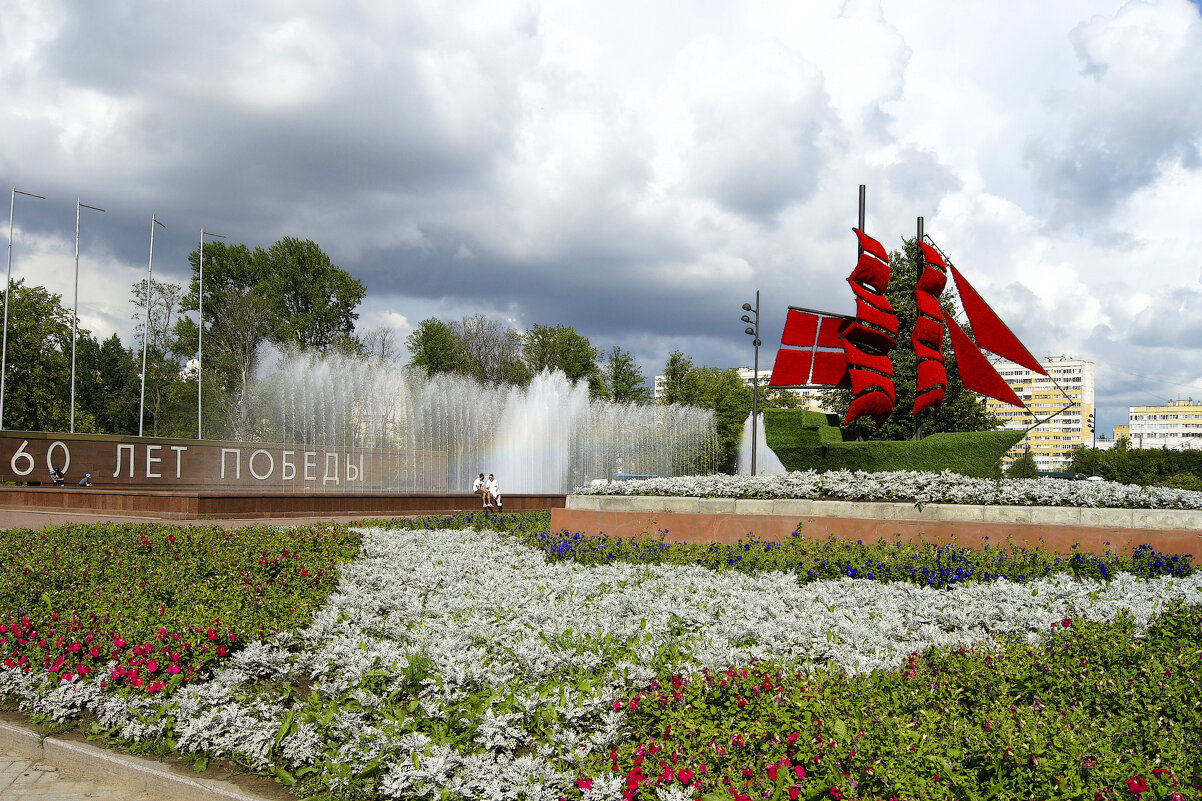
921 488
466 664
154 607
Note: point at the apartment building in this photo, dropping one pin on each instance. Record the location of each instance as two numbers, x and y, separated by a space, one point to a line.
1068 401
1176 425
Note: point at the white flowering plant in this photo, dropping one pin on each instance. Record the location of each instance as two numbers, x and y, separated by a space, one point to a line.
914 486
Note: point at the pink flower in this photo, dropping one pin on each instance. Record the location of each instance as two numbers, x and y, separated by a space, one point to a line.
836 793
800 771
685 775
1137 784
584 784
173 669
1068 621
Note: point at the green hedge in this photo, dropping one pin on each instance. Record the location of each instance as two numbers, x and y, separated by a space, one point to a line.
805 440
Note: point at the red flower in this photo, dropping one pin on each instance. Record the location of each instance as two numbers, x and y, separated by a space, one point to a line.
794 792
584 784
836 793
1137 784
685 775
1068 621
800 771
772 772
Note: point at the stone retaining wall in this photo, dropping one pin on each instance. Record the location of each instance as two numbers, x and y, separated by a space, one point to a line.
728 520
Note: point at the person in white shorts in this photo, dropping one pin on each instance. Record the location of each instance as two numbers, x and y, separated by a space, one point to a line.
479 486
493 490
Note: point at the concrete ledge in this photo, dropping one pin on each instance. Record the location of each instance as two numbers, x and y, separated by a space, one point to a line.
88 762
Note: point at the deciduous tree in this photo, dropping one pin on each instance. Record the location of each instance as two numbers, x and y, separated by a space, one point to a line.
624 380
561 348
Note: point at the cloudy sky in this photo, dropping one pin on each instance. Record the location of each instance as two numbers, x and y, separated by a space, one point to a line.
635 169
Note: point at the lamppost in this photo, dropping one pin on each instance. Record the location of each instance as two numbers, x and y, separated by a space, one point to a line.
146 323
1093 468
75 311
8 290
754 331
200 336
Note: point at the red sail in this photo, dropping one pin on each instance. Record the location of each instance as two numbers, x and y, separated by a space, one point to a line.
975 370
869 338
811 351
928 332
990 332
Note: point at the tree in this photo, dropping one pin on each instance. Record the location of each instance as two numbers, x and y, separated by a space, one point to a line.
962 408
238 319
379 343
490 352
311 299
1023 467
239 325
561 348
37 391
161 369
675 372
434 347
625 382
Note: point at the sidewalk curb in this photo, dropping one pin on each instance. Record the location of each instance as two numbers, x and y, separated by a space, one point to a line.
92 763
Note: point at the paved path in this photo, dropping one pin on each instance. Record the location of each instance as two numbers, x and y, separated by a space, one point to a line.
26 780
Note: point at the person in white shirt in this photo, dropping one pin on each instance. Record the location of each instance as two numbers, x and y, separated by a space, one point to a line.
479 486
493 490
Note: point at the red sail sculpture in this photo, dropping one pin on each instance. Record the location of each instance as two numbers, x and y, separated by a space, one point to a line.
988 329
825 349
928 331
811 351
868 339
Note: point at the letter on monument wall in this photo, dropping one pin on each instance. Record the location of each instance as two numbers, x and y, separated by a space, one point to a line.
179 449
237 461
153 460
130 448
270 465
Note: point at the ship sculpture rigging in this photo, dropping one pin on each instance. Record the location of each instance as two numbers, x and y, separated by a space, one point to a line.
825 349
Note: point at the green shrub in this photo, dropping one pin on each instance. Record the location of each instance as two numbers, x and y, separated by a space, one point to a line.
805 440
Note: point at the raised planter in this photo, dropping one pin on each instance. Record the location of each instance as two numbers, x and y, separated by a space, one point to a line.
1055 528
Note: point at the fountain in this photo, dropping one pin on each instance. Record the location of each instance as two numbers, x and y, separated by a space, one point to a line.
438 433
767 464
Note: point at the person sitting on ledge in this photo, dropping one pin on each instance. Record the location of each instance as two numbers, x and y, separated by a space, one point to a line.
493 491
86 481
479 486
57 476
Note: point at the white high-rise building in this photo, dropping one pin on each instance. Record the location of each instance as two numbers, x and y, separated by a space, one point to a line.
1052 442
1176 425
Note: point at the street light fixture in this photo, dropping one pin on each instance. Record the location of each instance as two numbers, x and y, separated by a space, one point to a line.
146 323
200 336
8 290
753 331
75 311
1093 469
